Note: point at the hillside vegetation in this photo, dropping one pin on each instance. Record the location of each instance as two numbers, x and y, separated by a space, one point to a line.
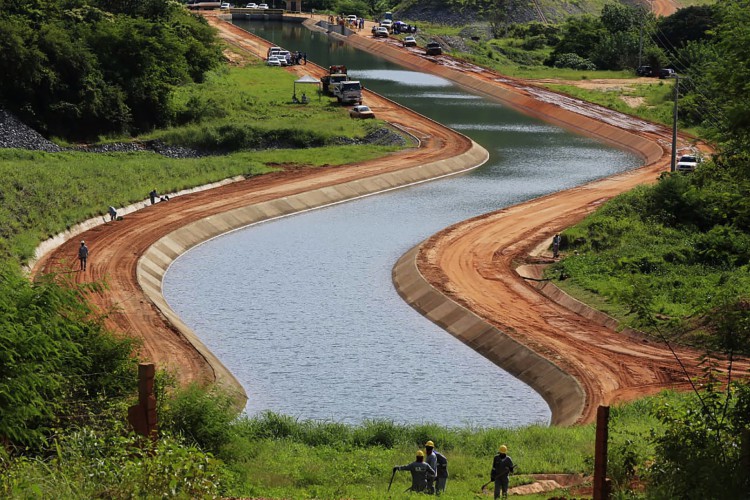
66 382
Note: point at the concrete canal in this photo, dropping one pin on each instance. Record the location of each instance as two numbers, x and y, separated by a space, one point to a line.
312 326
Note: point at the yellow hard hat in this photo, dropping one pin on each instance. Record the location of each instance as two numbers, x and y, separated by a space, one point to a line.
420 453
503 449
430 444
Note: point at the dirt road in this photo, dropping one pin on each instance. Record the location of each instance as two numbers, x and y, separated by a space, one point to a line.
473 262
116 247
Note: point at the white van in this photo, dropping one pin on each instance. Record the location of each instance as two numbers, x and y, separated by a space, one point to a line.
285 56
273 51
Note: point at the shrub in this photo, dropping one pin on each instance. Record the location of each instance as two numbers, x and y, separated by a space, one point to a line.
573 61
54 353
201 416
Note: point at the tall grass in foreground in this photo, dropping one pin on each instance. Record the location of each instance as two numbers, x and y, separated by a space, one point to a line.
204 453
279 456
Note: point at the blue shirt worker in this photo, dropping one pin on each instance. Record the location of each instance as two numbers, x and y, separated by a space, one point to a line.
439 464
83 255
421 473
502 466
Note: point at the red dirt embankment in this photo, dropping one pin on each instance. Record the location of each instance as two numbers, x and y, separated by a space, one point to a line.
116 247
472 262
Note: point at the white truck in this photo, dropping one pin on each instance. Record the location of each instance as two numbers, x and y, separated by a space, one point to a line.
348 92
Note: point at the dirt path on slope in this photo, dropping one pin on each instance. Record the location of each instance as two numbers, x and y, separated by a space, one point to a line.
116 247
664 7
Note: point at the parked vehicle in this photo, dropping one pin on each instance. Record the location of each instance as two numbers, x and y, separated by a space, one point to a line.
380 32
251 6
272 51
410 41
336 74
351 18
348 92
285 56
433 49
666 73
225 6
273 61
388 15
263 6
644 71
387 23
688 163
361 112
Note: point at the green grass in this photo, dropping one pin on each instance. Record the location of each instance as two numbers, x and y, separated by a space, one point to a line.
235 111
46 193
279 457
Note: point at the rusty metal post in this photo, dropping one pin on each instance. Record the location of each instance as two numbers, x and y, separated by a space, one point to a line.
143 415
601 483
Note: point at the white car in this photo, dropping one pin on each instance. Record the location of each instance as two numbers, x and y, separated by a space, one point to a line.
380 32
687 163
351 19
361 111
273 61
263 6
225 5
285 57
410 41
387 23
251 6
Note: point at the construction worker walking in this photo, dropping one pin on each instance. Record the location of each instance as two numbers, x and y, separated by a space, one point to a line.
422 474
439 463
502 466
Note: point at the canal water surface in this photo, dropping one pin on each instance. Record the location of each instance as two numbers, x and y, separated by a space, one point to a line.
302 310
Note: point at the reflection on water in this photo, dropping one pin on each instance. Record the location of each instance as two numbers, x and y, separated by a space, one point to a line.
302 310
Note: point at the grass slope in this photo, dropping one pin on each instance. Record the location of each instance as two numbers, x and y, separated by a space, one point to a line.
45 193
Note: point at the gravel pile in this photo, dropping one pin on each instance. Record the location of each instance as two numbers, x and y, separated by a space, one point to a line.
14 134
381 137
153 146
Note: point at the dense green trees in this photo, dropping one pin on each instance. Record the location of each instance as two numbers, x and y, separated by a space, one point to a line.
85 68
58 364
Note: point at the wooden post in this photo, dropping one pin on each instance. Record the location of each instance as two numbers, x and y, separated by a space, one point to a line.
745 455
601 483
143 415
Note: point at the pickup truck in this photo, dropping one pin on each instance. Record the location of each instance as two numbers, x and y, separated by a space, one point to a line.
433 49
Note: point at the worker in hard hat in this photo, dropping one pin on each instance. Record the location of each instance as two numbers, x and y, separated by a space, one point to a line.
421 474
439 463
502 466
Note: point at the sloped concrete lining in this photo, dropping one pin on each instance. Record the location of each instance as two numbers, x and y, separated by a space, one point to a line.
154 263
562 392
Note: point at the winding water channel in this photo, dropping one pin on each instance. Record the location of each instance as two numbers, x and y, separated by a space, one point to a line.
302 310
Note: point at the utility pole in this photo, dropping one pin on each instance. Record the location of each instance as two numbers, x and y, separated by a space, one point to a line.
674 122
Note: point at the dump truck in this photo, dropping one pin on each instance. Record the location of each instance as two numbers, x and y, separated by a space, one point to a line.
336 74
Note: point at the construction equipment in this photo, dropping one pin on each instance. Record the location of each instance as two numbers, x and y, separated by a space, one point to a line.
336 74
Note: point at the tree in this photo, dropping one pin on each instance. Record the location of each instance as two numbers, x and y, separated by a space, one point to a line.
728 76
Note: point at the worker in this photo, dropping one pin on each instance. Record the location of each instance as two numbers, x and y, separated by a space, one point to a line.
421 474
439 463
502 466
